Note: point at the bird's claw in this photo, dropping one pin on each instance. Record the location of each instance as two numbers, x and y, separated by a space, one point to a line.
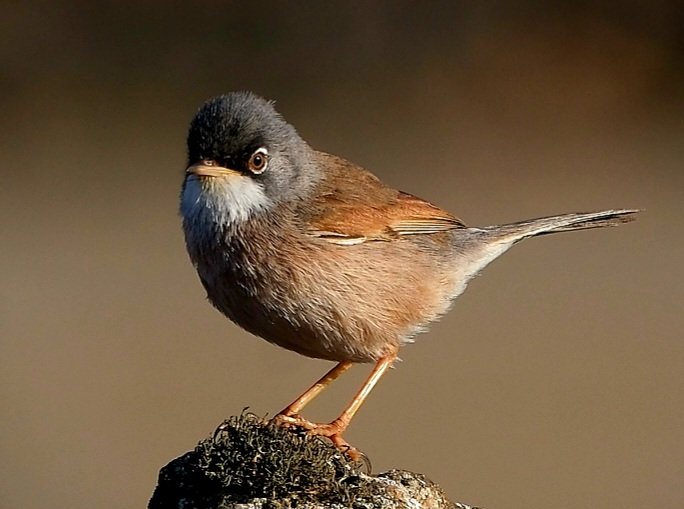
332 431
294 421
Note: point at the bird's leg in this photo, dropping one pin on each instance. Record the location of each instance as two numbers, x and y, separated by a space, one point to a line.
290 414
335 429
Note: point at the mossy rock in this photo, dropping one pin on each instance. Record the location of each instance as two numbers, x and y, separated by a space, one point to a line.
250 463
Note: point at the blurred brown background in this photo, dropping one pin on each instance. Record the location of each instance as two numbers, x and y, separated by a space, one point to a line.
556 380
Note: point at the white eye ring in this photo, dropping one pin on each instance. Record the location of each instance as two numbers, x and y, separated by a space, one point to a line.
258 161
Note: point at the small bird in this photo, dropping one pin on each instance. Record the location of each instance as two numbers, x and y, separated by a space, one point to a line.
315 254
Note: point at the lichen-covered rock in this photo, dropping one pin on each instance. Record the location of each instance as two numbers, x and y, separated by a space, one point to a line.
250 464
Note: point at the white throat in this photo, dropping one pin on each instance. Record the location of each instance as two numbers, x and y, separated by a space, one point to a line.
222 201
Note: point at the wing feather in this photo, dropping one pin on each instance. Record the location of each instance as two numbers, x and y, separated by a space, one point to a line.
353 206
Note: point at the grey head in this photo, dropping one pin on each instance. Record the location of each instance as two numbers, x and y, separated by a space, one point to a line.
242 156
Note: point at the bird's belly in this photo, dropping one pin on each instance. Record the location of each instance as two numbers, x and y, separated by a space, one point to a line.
311 325
340 303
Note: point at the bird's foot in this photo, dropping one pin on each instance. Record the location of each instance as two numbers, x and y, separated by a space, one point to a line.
348 449
294 421
332 431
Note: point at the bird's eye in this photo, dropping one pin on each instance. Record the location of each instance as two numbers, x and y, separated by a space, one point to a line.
258 161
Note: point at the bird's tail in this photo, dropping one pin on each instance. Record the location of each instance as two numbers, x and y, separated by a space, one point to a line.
492 241
564 223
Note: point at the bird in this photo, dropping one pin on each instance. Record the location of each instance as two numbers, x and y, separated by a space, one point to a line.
317 255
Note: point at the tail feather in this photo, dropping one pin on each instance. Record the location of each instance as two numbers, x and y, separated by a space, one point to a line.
563 223
493 241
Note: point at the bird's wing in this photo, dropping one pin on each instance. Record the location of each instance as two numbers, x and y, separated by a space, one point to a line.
352 206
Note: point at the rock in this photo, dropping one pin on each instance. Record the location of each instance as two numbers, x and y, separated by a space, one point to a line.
250 464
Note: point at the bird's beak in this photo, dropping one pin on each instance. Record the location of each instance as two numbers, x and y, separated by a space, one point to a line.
204 170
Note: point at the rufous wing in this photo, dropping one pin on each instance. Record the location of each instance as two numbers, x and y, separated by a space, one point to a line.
353 206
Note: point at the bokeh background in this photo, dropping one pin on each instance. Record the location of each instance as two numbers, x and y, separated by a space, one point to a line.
556 380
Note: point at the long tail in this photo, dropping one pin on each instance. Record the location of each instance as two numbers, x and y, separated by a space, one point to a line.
563 223
487 244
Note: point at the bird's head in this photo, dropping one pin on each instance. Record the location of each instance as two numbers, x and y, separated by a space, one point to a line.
243 157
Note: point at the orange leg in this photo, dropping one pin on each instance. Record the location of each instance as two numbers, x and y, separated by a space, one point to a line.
296 406
335 429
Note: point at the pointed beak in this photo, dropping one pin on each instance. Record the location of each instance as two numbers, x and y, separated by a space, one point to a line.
204 170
